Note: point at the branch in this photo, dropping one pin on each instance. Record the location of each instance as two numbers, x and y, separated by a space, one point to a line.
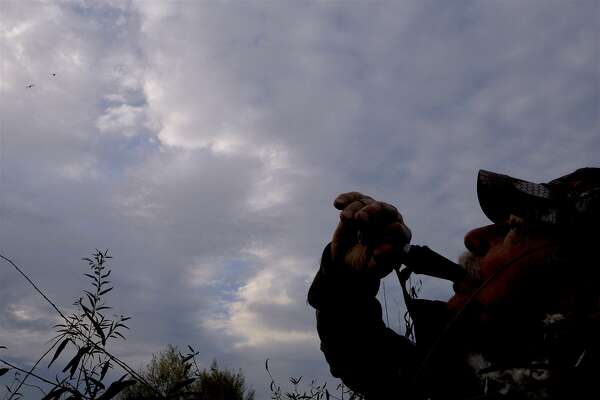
31 373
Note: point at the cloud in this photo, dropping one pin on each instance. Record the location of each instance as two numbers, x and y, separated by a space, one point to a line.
265 311
124 119
203 143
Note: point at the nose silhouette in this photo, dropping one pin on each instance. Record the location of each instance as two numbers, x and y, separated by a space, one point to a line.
479 240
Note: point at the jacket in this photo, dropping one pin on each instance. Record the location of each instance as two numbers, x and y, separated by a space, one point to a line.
454 355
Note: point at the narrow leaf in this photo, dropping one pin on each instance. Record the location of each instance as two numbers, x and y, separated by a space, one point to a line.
120 335
95 323
91 299
59 350
115 388
104 370
85 309
105 291
75 360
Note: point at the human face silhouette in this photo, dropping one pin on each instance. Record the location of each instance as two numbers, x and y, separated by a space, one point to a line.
512 261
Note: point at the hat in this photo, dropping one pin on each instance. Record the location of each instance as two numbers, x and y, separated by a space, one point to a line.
570 200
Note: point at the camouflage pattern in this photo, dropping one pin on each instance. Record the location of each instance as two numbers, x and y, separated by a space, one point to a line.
571 200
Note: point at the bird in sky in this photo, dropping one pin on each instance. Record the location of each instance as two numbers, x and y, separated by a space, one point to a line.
29 86
53 74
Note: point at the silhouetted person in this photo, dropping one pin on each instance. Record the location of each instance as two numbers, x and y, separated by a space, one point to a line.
523 322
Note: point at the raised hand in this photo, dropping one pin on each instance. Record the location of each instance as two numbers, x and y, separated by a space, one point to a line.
370 236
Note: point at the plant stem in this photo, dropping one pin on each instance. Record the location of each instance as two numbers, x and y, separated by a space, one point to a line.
30 372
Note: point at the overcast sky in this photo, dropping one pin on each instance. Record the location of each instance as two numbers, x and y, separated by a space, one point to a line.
203 143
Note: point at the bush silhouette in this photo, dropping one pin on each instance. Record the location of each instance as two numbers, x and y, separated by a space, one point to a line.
177 376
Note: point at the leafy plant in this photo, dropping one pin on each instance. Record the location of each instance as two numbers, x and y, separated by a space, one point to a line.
313 392
86 334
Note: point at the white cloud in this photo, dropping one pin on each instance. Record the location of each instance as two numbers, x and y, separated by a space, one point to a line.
246 318
203 273
23 313
124 119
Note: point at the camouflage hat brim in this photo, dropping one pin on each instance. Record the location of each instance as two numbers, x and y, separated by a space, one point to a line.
502 195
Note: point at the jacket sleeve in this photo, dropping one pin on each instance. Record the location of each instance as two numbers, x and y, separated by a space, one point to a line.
369 357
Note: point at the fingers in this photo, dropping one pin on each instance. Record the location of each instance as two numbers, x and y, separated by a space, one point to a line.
361 212
370 213
377 213
383 234
387 243
345 235
345 199
350 211
365 209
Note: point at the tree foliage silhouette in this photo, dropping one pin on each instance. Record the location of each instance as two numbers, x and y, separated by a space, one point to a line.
177 376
